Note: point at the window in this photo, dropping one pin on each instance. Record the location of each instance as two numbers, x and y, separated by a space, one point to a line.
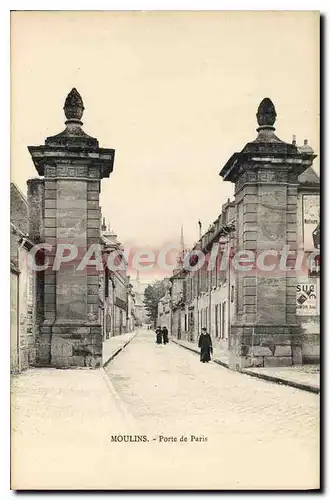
223 319
106 283
220 322
216 320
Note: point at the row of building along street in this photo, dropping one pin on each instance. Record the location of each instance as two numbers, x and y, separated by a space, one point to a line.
61 317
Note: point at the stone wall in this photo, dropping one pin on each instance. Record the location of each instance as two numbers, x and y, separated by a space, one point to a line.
23 286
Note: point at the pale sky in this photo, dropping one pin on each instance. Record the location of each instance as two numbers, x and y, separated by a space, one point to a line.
174 93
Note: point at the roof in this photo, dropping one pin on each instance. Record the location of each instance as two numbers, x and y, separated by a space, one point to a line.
309 177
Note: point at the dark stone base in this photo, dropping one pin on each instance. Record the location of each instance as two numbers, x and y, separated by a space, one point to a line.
67 345
311 349
264 346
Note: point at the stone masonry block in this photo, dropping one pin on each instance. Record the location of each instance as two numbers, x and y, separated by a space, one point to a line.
249 208
92 232
50 307
50 212
277 361
248 189
93 186
93 214
83 329
292 190
50 184
297 356
249 300
249 226
50 194
291 217
92 280
291 199
92 196
49 298
250 198
50 278
50 203
261 351
93 223
96 329
250 245
249 309
49 223
291 236
283 350
249 281
250 236
251 217
92 204
50 231
92 289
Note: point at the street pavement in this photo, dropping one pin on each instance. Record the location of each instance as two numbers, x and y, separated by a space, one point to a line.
259 434
247 433
305 377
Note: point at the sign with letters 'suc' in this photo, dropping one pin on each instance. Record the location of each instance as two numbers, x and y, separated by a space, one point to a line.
306 299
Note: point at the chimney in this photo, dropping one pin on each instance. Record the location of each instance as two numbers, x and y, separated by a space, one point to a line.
200 229
305 142
294 141
104 227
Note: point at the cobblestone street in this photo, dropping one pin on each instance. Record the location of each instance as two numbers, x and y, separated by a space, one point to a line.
259 433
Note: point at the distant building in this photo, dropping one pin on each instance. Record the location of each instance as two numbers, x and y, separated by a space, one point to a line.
140 311
117 301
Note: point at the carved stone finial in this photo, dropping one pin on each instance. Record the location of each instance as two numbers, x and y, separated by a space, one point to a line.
74 106
266 114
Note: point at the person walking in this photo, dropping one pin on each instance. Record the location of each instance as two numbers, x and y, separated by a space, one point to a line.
159 335
165 334
205 345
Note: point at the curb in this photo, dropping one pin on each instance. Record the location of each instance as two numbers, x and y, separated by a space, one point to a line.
118 350
281 381
129 419
268 378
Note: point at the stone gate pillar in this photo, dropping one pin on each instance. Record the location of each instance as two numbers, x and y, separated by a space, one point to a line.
73 165
264 330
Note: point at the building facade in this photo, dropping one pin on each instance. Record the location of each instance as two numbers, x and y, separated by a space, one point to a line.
117 299
23 311
262 317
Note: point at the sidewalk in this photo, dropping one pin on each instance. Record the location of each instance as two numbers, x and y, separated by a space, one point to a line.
61 422
114 345
304 377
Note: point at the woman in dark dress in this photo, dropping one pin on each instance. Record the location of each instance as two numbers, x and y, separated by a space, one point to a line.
159 335
165 335
205 345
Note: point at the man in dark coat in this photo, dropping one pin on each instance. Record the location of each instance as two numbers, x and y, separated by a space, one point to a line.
159 335
165 335
205 345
